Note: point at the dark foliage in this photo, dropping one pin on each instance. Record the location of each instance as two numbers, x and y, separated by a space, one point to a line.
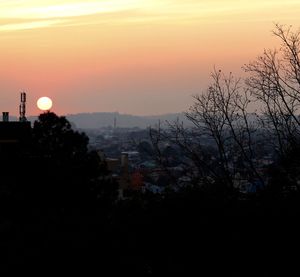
59 215
285 175
64 171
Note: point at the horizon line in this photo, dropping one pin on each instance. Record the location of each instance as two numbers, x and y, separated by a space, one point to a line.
119 113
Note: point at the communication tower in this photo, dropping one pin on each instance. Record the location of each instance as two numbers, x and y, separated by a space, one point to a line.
22 108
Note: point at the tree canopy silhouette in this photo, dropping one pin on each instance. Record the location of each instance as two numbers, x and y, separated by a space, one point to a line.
247 122
53 137
64 167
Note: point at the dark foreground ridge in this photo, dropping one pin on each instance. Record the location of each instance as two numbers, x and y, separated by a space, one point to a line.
60 214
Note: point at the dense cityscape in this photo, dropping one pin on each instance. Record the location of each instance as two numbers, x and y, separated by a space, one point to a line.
130 156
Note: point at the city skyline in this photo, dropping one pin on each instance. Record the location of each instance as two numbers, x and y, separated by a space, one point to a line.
135 57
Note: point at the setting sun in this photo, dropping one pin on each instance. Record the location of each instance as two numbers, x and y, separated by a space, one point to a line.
44 103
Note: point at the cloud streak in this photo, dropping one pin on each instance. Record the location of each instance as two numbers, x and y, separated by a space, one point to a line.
31 25
46 10
34 14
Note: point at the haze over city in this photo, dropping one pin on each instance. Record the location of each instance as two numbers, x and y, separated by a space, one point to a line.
142 57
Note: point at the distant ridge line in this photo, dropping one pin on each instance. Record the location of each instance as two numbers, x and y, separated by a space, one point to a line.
106 119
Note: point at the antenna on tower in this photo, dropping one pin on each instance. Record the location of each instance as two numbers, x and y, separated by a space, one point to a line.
22 107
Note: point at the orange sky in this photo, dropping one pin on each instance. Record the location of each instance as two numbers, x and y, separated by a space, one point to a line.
131 56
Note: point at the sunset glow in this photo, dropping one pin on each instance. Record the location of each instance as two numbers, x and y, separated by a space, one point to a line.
131 56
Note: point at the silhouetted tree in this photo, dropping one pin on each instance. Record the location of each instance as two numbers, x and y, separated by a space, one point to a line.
220 117
53 137
65 168
275 82
222 113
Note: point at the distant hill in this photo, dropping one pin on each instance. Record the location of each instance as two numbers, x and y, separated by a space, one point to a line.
98 120
106 119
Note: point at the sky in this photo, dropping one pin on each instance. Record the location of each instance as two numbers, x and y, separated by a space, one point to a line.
141 57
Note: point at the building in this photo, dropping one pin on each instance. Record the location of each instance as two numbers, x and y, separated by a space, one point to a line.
14 135
119 170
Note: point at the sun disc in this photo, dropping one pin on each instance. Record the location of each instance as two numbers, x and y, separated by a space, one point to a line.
44 103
